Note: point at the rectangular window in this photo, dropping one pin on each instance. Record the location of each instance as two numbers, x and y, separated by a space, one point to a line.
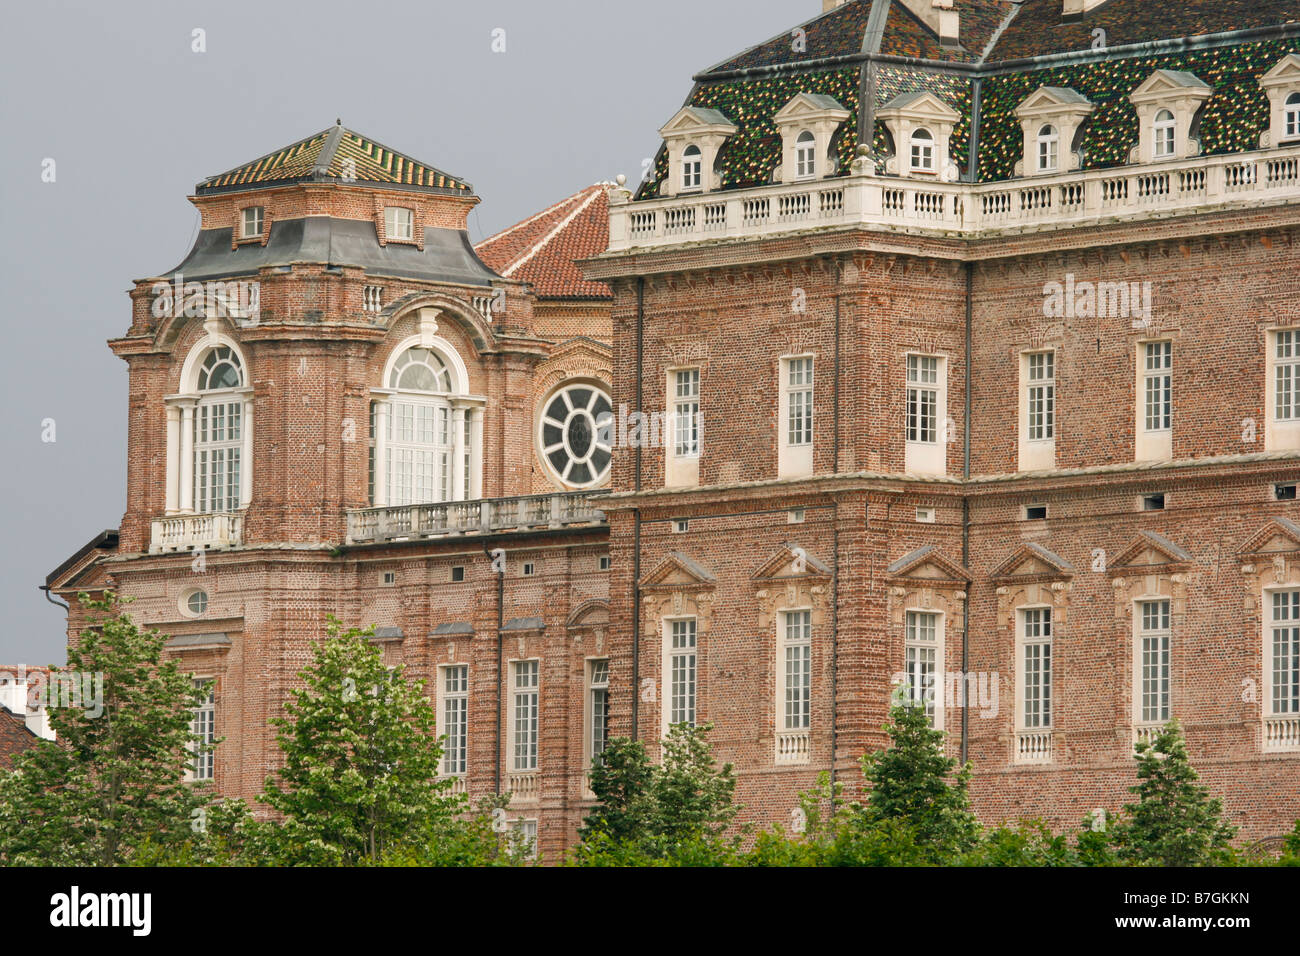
799 401
1284 651
1157 386
681 672
399 223
597 709
218 441
1286 376
1153 502
923 399
1284 492
458 573
686 413
1153 661
921 656
455 720
1035 512
523 838
1041 411
204 727
1036 661
252 222
523 718
796 670
603 563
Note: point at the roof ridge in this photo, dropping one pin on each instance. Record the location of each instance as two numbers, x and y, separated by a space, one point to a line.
275 152
539 246
535 216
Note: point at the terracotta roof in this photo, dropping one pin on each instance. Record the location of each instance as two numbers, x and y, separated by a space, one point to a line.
543 250
334 154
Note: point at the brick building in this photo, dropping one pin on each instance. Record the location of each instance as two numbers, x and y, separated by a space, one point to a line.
951 345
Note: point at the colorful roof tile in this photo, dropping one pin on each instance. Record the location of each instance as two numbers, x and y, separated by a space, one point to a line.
543 250
336 154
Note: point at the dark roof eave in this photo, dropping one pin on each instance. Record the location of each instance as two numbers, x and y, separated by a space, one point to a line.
105 539
202 189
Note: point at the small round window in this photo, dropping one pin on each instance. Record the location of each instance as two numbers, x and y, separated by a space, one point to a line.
574 445
195 602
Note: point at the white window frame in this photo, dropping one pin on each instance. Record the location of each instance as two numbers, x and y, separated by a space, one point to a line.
1282 390
924 660
525 715
1049 148
252 220
922 150
689 653
1165 132
795 415
1291 116
1152 661
1038 407
685 439
805 152
596 712
1040 620
203 724
925 414
1155 401
1273 624
794 653
453 719
399 223
525 829
692 168
184 419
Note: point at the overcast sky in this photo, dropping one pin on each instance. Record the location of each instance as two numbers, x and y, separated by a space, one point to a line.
134 119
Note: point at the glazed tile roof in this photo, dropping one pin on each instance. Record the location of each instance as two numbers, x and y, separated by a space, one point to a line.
837 33
543 250
334 154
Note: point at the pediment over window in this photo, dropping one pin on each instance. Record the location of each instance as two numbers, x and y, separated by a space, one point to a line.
1151 553
678 572
1281 536
791 562
927 565
1033 562
1285 72
697 119
1169 84
1048 100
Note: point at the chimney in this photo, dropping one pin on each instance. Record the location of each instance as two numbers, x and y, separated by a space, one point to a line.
939 16
1075 9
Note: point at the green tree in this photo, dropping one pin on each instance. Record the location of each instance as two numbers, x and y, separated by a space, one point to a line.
1175 821
360 771
910 783
677 810
114 779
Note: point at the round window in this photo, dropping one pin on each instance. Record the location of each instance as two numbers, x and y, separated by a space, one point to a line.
574 445
196 602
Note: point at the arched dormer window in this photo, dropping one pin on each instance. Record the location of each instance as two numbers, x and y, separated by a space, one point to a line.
1292 117
923 150
1164 127
1049 148
424 429
805 149
692 168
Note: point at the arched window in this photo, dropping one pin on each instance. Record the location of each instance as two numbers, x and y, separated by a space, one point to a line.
923 150
1164 130
1049 142
218 432
805 152
692 168
575 435
1293 115
423 432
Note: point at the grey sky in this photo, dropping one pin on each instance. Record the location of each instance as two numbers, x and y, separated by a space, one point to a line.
112 92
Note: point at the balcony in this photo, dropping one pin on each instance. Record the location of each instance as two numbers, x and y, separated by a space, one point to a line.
485 516
962 210
792 747
196 533
523 787
1033 747
1282 734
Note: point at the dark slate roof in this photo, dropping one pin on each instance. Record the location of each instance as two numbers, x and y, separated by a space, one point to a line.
388 634
334 155
453 627
447 255
525 624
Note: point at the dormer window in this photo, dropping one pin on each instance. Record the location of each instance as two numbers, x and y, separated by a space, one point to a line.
1282 85
399 223
1293 116
1049 149
250 226
923 151
692 167
806 155
1164 134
